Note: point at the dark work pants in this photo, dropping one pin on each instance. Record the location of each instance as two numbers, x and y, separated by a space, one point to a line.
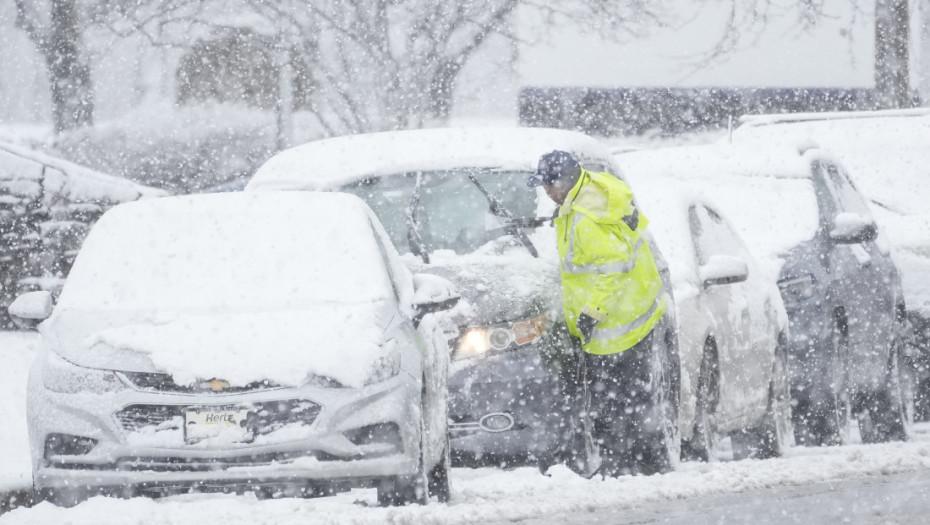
621 401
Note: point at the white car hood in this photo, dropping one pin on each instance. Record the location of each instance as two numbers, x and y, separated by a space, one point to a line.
340 342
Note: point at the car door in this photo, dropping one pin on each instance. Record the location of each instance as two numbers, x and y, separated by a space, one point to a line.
745 332
864 277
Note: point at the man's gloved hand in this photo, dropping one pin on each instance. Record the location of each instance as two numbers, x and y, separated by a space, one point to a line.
586 325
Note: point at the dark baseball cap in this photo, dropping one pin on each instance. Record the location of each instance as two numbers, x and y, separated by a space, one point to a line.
553 166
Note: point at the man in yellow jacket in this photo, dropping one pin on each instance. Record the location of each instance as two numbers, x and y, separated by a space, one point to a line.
615 304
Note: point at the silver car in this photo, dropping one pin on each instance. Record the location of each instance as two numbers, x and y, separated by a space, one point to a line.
733 328
263 342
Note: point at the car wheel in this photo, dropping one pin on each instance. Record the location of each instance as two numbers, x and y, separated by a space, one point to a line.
64 496
884 416
404 490
771 438
660 451
703 443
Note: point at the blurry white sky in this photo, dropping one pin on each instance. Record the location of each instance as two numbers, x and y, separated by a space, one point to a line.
835 53
128 74
783 56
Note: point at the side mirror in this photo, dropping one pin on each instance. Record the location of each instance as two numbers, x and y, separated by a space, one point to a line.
723 269
853 228
432 293
31 308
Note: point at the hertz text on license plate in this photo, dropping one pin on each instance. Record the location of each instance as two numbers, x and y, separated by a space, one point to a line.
220 424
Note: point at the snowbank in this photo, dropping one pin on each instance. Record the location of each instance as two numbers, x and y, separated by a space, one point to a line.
490 495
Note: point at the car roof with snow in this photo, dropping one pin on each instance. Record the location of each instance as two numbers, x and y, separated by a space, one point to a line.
74 182
887 153
753 188
334 162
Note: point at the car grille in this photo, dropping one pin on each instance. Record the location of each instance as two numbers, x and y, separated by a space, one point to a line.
264 417
165 383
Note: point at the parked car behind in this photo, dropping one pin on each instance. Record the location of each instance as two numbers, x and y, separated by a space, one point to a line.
888 157
47 205
240 342
454 202
733 338
811 229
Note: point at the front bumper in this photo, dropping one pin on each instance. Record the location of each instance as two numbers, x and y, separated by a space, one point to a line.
517 385
325 447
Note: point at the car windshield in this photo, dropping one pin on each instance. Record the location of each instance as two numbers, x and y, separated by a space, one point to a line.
451 212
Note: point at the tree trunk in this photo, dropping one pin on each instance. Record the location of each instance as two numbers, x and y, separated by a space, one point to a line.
923 72
68 70
891 58
442 87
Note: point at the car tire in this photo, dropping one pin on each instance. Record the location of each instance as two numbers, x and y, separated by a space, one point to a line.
702 446
884 416
64 496
403 490
437 479
771 438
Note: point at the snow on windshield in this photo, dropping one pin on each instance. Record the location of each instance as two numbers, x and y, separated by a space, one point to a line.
230 252
449 210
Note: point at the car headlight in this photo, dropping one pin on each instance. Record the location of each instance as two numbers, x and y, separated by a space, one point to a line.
64 377
386 366
499 337
796 290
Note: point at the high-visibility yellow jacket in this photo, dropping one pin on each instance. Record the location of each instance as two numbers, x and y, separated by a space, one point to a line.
608 271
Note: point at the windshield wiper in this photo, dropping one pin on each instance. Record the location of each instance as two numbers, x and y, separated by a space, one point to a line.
414 240
513 226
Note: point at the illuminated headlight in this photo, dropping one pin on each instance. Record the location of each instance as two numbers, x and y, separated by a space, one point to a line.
385 367
59 375
794 291
497 338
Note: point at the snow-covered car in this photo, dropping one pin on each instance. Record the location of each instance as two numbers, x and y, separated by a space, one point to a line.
242 342
456 203
813 232
47 206
887 154
732 325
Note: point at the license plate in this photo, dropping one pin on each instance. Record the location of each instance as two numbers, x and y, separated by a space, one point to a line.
221 424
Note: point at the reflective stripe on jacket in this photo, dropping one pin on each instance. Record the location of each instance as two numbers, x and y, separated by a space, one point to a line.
608 270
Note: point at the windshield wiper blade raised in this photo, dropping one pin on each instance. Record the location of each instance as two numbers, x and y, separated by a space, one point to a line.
414 240
498 209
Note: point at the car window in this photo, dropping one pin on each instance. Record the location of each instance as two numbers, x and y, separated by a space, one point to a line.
451 213
845 193
713 236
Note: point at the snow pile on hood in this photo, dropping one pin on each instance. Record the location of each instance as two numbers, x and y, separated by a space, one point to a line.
245 287
340 343
229 252
753 191
332 163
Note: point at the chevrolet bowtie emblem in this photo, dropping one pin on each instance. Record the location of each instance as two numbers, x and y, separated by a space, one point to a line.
215 385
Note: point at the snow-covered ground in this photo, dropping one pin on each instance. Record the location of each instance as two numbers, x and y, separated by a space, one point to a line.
479 495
